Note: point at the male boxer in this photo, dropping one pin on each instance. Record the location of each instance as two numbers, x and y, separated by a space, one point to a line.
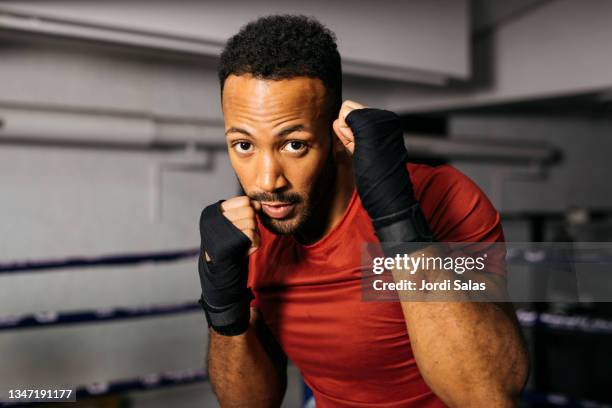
280 265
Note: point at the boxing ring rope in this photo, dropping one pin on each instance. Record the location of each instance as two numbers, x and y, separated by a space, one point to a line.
574 323
515 256
52 318
107 260
527 318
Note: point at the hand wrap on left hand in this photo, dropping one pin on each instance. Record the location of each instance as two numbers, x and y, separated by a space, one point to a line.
382 179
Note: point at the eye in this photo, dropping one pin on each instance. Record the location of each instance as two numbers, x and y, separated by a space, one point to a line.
243 147
296 146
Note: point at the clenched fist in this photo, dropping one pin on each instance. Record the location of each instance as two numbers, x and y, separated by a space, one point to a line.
342 129
240 211
228 232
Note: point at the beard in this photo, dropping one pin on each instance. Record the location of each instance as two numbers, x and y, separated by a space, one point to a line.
305 205
288 225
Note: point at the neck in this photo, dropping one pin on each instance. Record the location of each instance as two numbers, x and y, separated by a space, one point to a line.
331 207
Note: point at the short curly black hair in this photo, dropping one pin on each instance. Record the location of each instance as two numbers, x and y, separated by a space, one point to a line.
285 46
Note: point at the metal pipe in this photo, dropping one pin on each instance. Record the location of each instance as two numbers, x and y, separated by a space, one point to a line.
70 126
479 149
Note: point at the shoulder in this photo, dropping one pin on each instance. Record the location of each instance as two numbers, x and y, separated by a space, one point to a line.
441 177
456 208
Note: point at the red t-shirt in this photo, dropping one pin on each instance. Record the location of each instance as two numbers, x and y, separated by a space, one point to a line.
354 353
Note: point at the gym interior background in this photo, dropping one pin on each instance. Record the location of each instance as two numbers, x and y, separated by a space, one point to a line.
111 143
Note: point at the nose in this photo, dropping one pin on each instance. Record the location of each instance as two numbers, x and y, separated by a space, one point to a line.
270 175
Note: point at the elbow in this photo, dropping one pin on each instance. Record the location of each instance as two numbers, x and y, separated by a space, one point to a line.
501 399
506 391
518 379
519 370
503 391
507 396
513 378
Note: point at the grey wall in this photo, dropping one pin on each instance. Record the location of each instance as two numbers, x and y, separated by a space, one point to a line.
411 38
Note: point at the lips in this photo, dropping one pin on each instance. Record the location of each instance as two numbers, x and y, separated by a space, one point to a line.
277 210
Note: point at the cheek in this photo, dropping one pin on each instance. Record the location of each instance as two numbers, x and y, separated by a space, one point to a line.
303 173
243 170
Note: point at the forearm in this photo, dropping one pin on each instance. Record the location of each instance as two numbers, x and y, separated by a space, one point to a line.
470 353
242 373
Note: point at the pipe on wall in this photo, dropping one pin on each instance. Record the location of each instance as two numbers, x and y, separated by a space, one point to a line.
66 126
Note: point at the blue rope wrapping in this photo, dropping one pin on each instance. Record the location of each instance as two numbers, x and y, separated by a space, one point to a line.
46 319
105 260
576 323
514 256
581 324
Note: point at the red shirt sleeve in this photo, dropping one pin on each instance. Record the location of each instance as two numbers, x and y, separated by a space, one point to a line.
457 210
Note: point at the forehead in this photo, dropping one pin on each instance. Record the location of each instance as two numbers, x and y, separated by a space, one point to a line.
246 94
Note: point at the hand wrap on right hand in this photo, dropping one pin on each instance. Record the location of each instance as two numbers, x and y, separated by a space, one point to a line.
225 296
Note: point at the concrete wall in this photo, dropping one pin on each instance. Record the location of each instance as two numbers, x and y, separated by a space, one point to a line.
415 39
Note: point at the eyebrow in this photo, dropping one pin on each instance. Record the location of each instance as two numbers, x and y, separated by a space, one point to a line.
282 133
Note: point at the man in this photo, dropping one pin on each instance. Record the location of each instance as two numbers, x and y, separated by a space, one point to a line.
280 266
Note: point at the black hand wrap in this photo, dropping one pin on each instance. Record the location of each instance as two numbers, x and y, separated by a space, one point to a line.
225 296
381 177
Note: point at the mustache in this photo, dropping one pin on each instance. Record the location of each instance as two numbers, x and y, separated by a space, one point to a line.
288 198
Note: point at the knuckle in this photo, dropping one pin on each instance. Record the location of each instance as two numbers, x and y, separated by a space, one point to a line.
234 202
249 233
245 223
244 213
230 215
226 204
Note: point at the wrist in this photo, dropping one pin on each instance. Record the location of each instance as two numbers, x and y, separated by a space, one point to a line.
229 320
406 226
